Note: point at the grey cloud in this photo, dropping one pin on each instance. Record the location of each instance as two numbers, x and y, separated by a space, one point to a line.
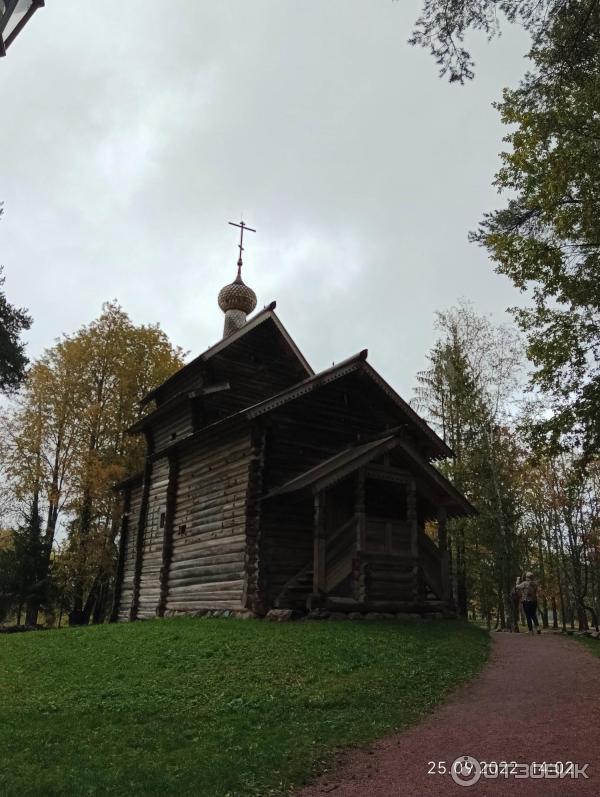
133 135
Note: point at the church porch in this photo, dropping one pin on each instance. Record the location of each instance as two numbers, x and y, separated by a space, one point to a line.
364 545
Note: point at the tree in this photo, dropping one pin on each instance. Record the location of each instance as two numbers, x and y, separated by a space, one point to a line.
24 580
67 442
443 25
13 321
465 393
547 238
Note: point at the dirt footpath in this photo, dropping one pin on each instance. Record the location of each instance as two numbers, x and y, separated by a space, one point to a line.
537 700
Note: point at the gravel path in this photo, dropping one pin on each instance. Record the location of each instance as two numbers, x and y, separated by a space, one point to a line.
537 699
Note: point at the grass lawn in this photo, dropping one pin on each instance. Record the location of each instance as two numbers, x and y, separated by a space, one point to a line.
212 707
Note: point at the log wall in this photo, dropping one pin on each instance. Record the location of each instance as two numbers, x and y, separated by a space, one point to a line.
209 526
174 426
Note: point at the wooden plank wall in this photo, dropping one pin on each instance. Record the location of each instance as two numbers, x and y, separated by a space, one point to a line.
209 528
129 554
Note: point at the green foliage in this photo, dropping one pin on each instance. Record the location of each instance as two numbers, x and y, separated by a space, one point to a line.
466 393
13 321
443 25
547 238
213 707
23 568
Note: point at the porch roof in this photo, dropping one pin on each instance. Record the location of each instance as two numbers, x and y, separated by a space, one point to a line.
346 462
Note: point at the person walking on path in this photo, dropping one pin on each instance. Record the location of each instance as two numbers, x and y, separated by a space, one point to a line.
528 589
515 604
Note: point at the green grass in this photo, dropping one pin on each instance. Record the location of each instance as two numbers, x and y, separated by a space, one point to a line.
212 707
592 645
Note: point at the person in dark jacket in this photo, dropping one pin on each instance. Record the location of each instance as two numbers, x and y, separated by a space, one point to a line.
528 589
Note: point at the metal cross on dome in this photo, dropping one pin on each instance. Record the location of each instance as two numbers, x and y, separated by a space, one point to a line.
243 226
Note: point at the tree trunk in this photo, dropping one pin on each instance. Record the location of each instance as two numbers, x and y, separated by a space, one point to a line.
544 612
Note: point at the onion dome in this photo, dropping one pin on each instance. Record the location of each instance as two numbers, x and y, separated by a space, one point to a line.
236 300
237 296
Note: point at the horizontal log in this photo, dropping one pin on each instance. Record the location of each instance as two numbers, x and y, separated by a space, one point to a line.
200 581
216 544
214 587
234 554
193 606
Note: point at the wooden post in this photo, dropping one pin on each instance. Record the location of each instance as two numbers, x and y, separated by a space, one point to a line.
360 515
114 615
319 552
443 546
411 519
167 549
360 511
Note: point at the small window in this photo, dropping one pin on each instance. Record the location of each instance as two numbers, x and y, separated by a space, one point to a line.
182 528
163 517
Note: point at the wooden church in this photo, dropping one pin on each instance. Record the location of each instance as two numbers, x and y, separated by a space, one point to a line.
269 486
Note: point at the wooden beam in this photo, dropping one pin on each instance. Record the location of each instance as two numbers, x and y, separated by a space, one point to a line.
444 554
360 510
114 615
360 516
412 521
139 547
320 546
167 549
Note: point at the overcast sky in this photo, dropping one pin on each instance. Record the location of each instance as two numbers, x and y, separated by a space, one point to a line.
134 131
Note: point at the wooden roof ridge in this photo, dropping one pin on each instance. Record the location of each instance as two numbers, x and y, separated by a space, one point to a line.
267 312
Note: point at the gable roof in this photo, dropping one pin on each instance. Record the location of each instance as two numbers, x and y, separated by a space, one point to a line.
357 362
264 315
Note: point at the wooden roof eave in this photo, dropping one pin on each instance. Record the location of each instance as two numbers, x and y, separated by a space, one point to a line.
130 481
176 401
308 385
